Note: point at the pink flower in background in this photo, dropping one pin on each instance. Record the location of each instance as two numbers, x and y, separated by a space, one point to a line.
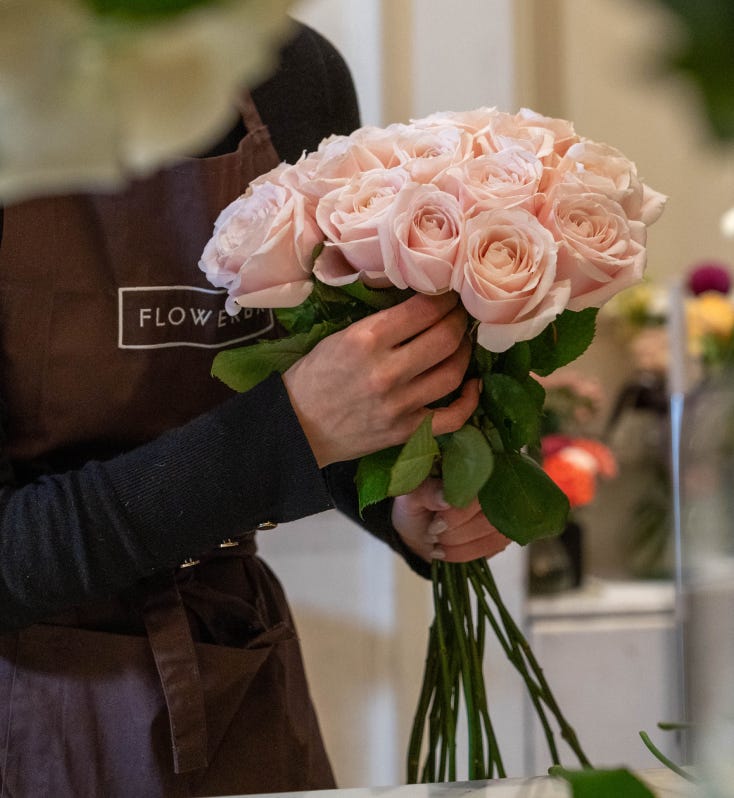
575 464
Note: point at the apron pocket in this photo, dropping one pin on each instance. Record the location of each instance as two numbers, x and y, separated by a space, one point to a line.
86 716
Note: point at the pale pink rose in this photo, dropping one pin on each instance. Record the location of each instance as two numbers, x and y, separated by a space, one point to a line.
472 121
261 249
350 218
422 239
508 278
497 180
336 161
600 168
601 250
427 152
546 137
379 142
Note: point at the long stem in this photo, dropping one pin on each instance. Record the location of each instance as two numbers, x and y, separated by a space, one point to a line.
450 735
424 702
513 632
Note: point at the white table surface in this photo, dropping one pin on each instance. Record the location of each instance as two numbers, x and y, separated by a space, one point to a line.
663 782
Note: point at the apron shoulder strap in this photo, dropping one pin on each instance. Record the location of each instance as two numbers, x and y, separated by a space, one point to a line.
248 109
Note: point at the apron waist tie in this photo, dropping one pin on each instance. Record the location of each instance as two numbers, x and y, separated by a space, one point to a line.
175 657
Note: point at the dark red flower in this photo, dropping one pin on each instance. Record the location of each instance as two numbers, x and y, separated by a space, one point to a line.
709 275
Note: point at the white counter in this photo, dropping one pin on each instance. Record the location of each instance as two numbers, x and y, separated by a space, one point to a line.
664 784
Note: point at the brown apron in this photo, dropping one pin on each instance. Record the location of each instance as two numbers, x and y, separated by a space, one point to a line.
192 683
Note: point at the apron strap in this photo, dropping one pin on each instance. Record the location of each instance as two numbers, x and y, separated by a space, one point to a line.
175 658
248 109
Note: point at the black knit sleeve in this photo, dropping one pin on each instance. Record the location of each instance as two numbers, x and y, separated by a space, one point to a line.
324 104
93 532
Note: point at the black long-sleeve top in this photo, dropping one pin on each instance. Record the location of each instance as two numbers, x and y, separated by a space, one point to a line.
73 536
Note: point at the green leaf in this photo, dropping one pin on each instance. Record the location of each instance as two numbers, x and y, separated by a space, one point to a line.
562 341
512 409
466 463
522 501
299 319
373 476
415 460
245 366
602 783
515 362
535 390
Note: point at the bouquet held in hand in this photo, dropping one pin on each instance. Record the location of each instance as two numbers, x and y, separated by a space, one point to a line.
534 227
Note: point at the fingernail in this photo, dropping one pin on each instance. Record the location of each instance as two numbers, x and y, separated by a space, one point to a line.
437 553
442 503
436 527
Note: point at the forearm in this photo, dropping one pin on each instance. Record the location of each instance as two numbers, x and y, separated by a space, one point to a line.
93 532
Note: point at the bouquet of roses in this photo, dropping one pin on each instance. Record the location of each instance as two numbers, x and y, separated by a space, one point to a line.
534 227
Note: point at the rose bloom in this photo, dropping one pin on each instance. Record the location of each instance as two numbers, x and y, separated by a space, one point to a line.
261 249
336 161
546 137
497 180
422 239
427 152
600 168
601 252
508 277
350 218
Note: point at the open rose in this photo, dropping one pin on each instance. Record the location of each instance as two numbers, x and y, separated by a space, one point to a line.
422 239
601 250
261 249
545 137
602 169
497 180
351 217
427 152
508 279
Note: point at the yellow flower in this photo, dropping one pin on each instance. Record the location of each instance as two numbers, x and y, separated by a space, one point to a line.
709 314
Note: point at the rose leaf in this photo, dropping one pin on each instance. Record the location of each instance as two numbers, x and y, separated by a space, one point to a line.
244 367
373 476
602 783
512 409
466 463
415 460
562 341
522 501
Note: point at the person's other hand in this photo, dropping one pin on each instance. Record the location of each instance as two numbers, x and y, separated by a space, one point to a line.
367 387
433 529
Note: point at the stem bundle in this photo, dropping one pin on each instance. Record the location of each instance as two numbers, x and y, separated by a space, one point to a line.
466 599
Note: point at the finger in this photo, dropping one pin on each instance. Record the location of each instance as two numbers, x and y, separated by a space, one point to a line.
487 546
402 322
428 496
432 346
441 380
454 416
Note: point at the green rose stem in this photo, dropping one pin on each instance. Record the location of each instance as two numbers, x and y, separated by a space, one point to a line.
454 667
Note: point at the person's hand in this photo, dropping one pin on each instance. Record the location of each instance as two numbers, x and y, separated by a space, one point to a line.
433 529
366 388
